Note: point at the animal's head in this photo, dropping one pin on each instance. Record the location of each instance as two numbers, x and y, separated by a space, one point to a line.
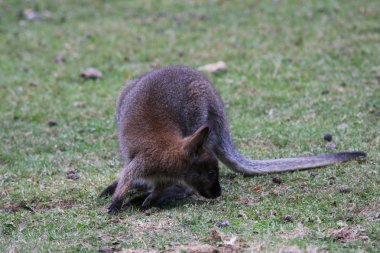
203 173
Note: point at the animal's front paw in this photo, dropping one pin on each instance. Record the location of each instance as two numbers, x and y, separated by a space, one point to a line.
115 206
109 190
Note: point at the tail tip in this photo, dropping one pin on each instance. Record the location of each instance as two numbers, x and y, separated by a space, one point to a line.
361 153
358 154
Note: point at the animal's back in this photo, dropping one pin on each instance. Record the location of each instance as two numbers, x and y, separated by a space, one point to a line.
173 100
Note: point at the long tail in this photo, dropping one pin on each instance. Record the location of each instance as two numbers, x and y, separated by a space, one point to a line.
239 163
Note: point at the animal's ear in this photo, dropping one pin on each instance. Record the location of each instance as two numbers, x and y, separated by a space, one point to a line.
194 144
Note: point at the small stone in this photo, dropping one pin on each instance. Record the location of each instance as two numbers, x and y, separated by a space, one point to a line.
277 180
331 145
327 137
288 218
52 122
313 174
33 83
325 92
344 189
91 73
60 58
71 174
221 224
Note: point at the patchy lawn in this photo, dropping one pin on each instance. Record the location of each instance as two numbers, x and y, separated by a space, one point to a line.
296 70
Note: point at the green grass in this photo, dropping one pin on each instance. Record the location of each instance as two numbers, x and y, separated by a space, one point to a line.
281 56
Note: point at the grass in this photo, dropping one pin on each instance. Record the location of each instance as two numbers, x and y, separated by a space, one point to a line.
283 56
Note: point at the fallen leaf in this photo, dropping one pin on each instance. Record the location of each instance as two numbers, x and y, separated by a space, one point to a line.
257 188
219 66
215 235
52 122
229 243
91 73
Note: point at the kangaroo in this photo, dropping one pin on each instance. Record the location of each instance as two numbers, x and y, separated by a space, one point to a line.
173 129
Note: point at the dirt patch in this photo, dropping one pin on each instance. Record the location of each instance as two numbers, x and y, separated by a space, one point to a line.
191 248
141 226
137 251
290 249
17 208
195 248
225 243
348 234
296 249
371 211
298 232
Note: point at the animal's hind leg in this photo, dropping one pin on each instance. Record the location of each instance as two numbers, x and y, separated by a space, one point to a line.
169 194
138 200
109 190
152 198
123 185
173 193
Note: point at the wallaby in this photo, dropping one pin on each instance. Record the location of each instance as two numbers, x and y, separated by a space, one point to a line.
173 129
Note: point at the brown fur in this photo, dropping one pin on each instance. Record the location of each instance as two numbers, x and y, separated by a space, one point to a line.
172 128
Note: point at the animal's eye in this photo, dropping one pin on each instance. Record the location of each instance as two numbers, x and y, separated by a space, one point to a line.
211 174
